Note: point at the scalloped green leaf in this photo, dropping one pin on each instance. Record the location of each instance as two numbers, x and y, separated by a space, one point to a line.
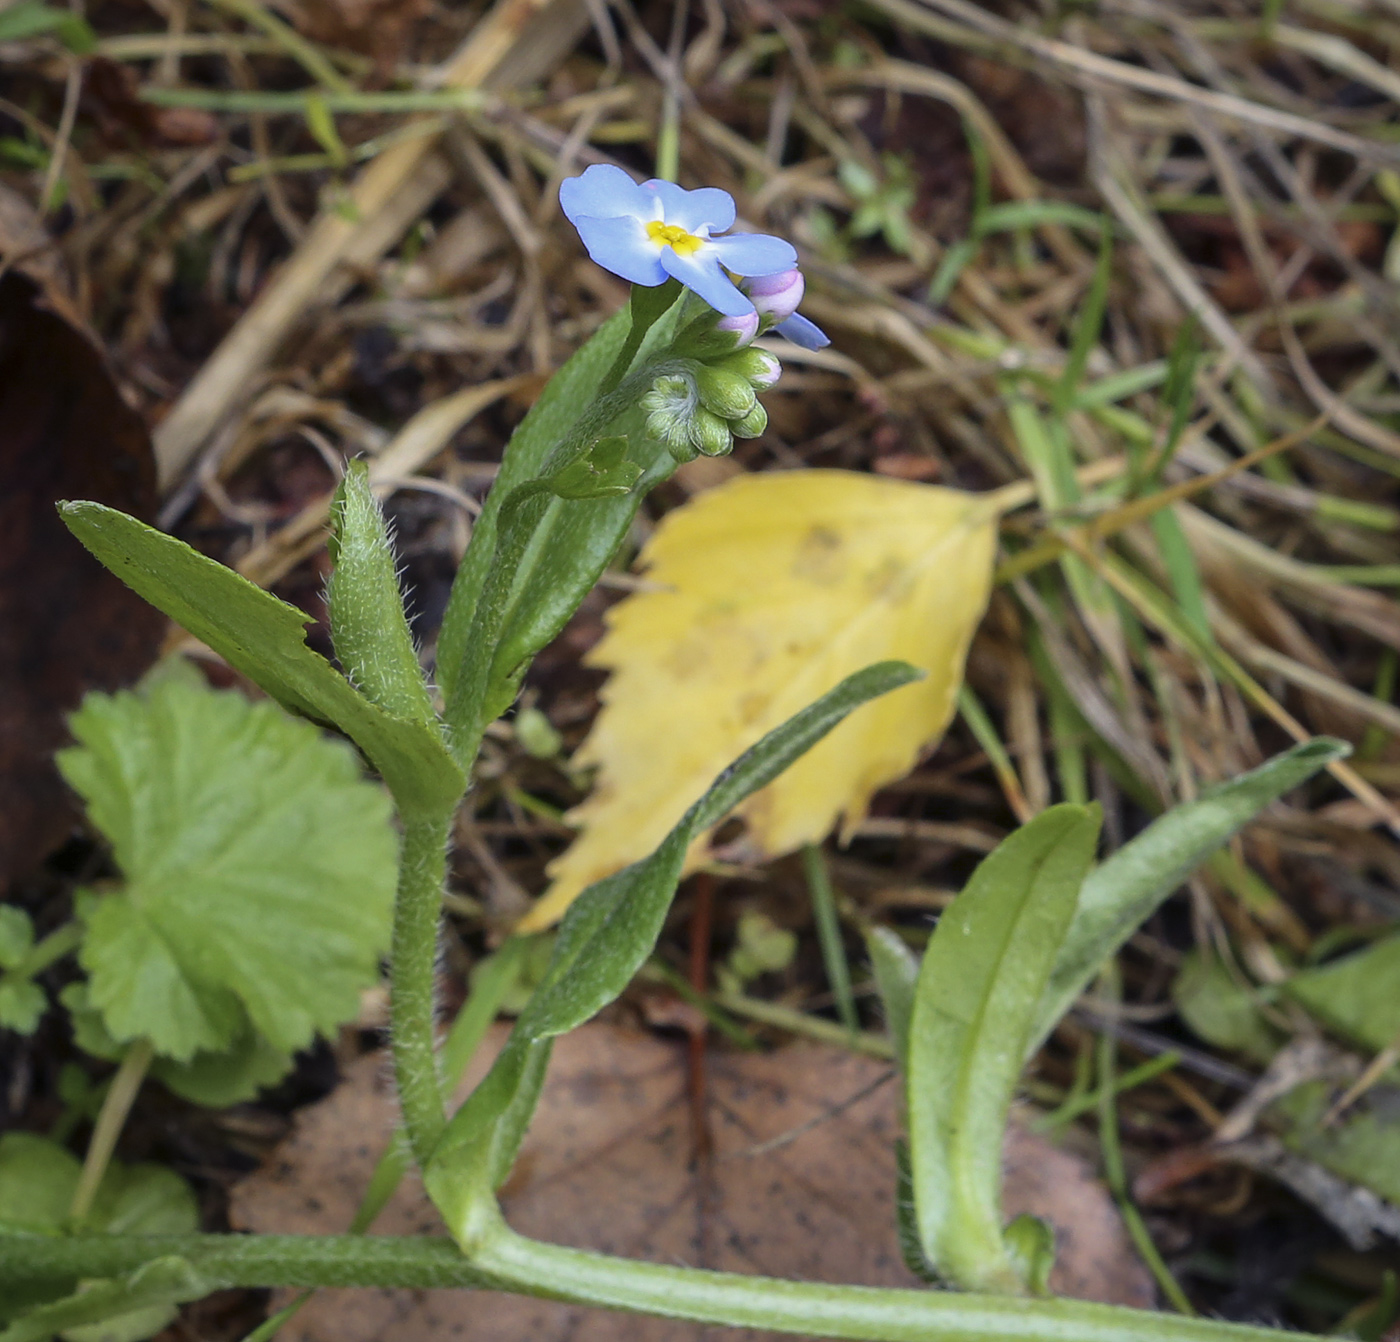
213 1079
259 864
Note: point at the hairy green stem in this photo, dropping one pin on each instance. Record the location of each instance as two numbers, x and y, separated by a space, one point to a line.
505 1261
417 908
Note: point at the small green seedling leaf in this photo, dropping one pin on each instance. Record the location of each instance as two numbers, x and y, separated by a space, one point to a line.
761 947
982 975
896 977
1221 1010
606 936
22 1005
37 1181
538 736
125 1310
1125 890
368 626
259 865
16 936
1030 1242
1358 996
265 639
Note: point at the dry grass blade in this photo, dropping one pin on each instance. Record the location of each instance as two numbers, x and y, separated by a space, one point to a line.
504 40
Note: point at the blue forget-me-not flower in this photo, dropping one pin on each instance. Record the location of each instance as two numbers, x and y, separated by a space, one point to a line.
658 230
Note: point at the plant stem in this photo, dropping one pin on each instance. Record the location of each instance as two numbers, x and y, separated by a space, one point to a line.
799 1022
838 972
53 947
1114 1172
111 1118
507 1261
417 907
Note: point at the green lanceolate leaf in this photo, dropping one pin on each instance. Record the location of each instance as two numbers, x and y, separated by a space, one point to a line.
1358 996
371 634
259 869
571 540
570 391
265 639
1124 890
607 935
982 975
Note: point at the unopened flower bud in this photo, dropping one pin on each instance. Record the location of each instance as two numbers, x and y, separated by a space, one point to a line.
752 424
775 297
743 328
724 393
760 368
710 434
669 405
669 394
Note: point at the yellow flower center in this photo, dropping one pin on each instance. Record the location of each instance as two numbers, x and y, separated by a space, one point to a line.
674 237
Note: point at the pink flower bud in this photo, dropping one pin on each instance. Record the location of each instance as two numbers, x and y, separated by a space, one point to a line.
744 328
776 296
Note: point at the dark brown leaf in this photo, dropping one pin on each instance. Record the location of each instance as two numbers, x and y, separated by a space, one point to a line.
66 624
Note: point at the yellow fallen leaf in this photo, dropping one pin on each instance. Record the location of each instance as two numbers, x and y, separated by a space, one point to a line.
770 590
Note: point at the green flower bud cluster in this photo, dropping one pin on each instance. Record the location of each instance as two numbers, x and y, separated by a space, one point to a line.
701 412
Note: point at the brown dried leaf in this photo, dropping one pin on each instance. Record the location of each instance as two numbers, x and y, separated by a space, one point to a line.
801 1184
66 624
112 95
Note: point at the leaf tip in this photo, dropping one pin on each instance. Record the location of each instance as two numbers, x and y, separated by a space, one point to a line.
1324 749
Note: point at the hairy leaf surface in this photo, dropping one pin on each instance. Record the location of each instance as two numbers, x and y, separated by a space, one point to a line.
265 639
985 969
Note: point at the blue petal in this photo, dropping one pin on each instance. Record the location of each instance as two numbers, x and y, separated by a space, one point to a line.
755 253
622 246
692 209
701 273
802 332
603 192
